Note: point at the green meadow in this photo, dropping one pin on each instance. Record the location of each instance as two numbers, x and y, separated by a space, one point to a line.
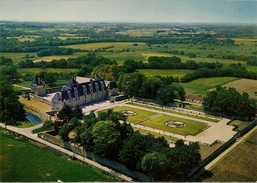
23 162
164 72
191 128
202 85
37 70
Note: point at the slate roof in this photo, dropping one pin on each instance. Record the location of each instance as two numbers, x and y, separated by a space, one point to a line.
81 89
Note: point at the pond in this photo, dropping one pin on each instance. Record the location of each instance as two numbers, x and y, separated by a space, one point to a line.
33 118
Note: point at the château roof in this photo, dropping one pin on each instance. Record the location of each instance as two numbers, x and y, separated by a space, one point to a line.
76 89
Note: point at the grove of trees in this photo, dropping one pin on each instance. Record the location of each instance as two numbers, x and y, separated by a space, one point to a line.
11 110
235 70
230 102
108 137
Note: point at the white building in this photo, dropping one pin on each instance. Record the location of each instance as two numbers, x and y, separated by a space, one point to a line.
78 92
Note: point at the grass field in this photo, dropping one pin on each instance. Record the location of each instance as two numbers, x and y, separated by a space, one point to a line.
239 165
141 114
16 57
23 162
191 128
201 86
175 112
93 46
245 41
164 72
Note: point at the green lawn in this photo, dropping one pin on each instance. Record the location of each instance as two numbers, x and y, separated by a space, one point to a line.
175 112
191 128
141 114
23 162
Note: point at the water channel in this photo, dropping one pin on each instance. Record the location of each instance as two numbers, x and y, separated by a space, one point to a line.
33 118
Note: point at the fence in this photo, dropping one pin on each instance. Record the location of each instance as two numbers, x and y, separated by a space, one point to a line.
196 173
79 150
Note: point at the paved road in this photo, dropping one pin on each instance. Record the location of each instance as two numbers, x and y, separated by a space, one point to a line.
27 132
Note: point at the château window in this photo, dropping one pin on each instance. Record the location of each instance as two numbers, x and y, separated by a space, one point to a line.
90 88
102 85
96 87
84 89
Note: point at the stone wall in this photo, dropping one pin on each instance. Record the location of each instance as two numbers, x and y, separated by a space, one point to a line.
79 150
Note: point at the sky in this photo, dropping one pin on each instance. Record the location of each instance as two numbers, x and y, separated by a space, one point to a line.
213 11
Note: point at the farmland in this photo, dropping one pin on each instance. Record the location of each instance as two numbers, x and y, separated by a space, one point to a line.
245 85
239 165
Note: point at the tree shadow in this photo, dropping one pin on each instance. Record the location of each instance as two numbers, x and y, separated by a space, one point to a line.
206 175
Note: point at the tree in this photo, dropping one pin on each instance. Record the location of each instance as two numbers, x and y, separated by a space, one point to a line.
133 151
155 164
48 125
74 122
10 71
151 86
50 77
230 102
11 110
64 132
106 139
77 112
84 71
182 160
130 66
65 113
167 93
131 83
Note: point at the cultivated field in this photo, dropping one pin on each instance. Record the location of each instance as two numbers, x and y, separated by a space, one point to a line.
94 46
244 85
239 165
245 41
24 162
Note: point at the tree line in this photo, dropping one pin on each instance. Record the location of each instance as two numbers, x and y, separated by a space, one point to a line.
110 138
235 70
175 63
230 102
